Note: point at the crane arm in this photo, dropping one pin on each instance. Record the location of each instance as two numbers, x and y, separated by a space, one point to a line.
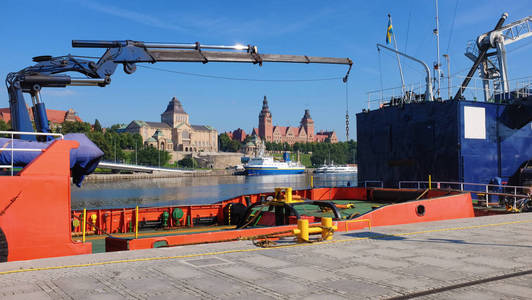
507 34
47 70
481 55
498 38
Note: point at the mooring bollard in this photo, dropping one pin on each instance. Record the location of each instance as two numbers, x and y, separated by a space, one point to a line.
303 230
327 229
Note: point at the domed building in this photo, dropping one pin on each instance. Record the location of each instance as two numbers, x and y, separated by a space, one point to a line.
175 133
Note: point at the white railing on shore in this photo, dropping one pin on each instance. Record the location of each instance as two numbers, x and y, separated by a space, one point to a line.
13 149
139 168
415 92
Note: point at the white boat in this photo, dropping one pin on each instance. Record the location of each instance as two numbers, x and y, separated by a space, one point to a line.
266 165
330 169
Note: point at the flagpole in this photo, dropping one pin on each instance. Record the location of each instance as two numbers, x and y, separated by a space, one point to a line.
398 59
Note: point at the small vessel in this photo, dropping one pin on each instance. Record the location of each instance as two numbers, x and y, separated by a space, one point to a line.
267 165
336 169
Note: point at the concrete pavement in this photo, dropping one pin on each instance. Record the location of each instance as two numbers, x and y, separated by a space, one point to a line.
386 262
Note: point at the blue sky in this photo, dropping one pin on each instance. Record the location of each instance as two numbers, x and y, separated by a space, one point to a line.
315 28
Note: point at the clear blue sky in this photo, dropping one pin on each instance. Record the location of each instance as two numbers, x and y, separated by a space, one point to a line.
315 28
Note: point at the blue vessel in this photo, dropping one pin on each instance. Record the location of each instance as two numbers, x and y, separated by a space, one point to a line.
266 165
458 141
416 134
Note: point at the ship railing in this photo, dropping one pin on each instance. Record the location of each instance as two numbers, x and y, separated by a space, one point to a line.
332 183
12 149
415 92
517 88
480 189
373 183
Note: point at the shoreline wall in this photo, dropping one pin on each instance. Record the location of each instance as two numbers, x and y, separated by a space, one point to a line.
199 173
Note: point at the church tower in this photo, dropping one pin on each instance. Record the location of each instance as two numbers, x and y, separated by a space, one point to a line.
308 124
265 122
174 114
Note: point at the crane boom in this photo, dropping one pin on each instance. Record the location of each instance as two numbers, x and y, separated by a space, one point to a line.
498 39
47 70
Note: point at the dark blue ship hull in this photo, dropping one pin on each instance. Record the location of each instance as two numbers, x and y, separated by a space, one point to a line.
459 141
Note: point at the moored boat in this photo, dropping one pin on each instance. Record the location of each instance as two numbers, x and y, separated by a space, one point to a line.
335 169
269 166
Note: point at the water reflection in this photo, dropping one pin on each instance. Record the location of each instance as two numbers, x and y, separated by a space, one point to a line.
191 190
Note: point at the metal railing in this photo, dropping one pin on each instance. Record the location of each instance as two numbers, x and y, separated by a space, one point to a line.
481 189
373 183
13 149
415 92
331 183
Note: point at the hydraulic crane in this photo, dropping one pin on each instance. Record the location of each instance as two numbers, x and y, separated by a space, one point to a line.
47 72
493 65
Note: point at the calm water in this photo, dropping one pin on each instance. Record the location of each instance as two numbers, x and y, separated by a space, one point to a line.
191 190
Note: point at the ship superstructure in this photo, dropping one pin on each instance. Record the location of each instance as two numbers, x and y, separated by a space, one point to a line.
414 135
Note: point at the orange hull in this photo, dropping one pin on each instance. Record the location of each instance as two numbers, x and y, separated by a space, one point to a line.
35 207
440 207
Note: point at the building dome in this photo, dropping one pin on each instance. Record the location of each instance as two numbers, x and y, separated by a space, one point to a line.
175 106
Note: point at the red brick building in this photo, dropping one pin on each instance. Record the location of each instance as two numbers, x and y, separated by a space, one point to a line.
237 135
281 134
55 117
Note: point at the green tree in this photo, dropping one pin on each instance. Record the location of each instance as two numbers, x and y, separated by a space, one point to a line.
151 156
226 144
97 126
5 127
188 162
115 127
75 127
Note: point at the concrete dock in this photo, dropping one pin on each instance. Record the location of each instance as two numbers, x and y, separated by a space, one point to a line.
476 258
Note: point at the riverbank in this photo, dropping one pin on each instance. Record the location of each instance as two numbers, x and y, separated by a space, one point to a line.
102 177
114 177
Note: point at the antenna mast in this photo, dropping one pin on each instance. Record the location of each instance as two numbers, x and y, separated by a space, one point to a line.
398 60
437 65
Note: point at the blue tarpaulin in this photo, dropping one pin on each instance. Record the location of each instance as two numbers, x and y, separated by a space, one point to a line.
83 160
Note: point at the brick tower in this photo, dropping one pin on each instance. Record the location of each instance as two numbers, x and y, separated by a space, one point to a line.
308 124
265 122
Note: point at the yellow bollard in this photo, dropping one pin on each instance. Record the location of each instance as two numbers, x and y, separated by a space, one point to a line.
311 181
326 233
93 221
430 183
84 223
288 195
302 232
137 222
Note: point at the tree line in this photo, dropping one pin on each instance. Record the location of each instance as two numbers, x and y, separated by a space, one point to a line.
321 153
118 146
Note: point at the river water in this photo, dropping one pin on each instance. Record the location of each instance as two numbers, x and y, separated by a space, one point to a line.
191 190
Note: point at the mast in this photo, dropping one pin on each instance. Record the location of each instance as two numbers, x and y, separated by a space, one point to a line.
437 66
397 55
428 79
